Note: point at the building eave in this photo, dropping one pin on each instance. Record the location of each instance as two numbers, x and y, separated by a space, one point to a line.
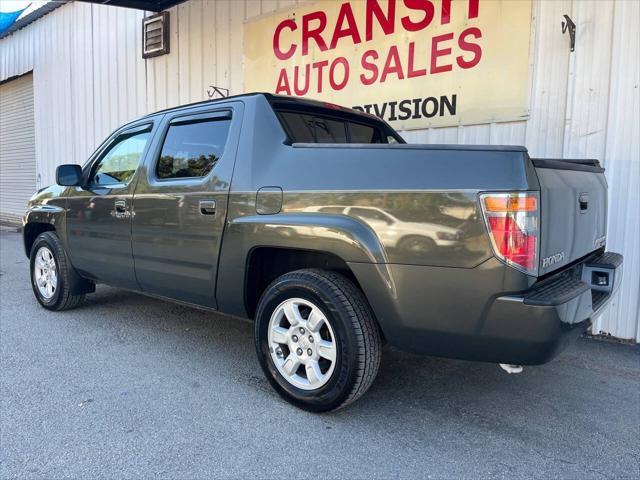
148 5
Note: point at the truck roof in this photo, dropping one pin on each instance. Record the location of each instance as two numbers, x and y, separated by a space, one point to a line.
271 98
285 101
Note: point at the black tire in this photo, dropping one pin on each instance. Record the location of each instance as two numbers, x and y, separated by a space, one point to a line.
62 298
357 335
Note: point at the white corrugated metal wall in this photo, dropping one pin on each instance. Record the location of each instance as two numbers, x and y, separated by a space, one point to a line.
17 147
89 77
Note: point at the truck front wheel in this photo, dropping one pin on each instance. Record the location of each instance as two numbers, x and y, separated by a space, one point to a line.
51 273
317 340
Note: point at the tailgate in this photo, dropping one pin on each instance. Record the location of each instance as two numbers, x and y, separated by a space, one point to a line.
573 210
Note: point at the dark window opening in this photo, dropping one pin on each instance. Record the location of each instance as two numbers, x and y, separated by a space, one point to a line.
365 134
315 128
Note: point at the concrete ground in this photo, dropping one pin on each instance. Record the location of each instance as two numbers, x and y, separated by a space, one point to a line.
129 387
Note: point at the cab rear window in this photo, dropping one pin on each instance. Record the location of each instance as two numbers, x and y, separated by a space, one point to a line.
314 128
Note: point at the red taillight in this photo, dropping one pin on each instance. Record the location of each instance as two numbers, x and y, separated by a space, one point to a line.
512 221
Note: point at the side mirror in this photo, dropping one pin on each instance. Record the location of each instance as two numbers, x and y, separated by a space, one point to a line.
69 175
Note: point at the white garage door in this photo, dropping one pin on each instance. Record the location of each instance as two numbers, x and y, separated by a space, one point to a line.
17 147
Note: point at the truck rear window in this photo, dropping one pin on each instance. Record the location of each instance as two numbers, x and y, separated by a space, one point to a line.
314 128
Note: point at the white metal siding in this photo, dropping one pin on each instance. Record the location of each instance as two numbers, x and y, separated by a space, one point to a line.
89 78
17 147
622 159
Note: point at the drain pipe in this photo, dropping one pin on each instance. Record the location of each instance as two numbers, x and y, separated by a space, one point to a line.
511 368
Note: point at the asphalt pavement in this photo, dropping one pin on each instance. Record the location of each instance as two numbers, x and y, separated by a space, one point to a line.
132 387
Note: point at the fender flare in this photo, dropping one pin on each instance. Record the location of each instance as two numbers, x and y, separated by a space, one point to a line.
45 214
345 237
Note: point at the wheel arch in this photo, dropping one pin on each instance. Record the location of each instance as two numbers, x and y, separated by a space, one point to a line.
299 240
31 232
266 263
42 218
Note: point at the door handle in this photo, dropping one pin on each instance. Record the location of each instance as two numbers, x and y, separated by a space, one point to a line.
121 206
583 201
207 207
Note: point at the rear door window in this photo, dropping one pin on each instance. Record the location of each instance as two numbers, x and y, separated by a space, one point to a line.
192 148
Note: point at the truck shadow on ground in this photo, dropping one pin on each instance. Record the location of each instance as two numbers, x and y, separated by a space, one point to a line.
408 387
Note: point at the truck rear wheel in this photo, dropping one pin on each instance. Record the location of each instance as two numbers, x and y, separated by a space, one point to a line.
317 340
51 274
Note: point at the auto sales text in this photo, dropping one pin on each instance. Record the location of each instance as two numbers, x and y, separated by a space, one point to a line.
373 66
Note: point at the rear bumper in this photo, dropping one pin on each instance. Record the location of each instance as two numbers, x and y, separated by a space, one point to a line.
555 311
527 328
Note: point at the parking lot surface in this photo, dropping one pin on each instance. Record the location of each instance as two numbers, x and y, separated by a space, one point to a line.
127 386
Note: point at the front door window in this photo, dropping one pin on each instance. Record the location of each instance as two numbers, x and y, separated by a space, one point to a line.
120 161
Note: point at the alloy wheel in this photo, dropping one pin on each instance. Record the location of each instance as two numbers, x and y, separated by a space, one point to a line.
302 344
45 273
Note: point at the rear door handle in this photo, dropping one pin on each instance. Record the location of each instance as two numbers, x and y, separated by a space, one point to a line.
207 207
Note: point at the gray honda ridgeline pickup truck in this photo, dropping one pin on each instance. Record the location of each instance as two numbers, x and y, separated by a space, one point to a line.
323 226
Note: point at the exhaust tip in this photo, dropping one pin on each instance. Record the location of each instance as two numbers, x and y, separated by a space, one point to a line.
511 368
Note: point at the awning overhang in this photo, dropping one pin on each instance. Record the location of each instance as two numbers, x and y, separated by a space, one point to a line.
32 17
152 6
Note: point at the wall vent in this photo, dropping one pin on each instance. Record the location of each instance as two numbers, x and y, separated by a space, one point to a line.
155 35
